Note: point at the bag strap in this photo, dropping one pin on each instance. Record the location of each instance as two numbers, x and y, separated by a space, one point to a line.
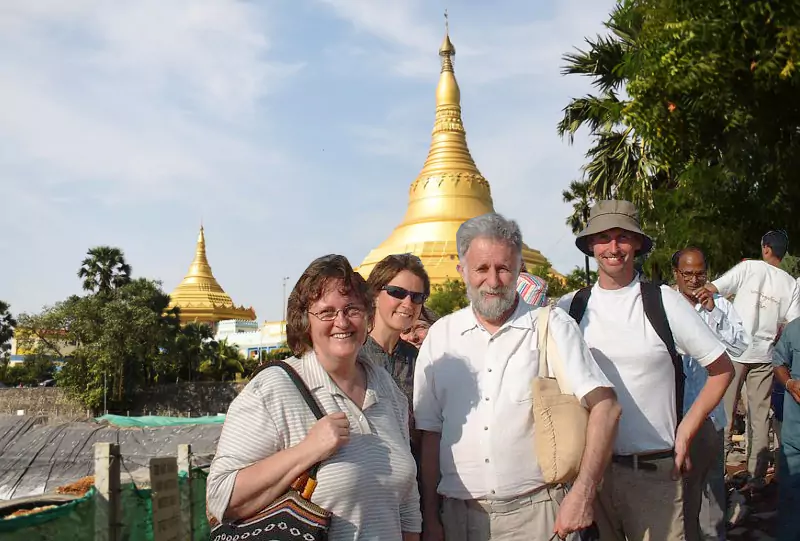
543 329
306 483
577 308
657 316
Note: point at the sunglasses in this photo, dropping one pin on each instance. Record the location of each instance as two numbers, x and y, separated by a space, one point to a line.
401 293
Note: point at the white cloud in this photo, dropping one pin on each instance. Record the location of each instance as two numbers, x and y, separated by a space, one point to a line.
142 98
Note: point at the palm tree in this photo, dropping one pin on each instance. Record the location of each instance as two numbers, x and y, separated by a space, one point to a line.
104 269
580 195
619 161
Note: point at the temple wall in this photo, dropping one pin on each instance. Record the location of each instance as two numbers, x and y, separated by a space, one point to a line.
180 399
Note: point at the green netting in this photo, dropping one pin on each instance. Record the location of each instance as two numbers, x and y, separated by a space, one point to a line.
158 420
73 521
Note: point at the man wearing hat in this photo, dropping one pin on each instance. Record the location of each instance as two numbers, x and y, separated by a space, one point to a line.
635 331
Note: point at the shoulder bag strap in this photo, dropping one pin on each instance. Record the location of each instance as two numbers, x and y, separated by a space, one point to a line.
543 330
304 485
580 301
657 316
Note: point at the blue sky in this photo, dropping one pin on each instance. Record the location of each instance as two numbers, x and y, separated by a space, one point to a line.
291 128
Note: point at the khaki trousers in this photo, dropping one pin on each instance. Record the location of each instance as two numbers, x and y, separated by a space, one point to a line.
758 378
640 505
527 518
705 497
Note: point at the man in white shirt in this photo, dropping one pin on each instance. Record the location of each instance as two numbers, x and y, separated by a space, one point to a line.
705 496
642 494
766 298
473 403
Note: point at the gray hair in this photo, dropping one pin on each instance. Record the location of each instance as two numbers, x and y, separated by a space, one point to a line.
492 226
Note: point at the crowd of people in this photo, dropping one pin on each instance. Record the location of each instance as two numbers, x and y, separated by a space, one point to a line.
428 424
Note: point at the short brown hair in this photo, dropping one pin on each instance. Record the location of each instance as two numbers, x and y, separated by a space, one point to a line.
321 274
392 265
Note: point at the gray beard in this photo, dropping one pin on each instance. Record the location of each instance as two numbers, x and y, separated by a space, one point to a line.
492 309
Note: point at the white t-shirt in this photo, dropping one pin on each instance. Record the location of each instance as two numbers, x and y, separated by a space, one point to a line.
474 388
766 297
637 362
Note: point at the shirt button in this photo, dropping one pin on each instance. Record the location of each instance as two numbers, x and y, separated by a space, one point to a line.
493 492
487 398
486 428
490 369
486 460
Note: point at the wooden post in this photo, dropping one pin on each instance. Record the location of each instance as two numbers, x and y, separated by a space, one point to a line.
166 499
185 467
107 514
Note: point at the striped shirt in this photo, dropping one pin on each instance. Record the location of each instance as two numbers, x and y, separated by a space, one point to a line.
369 484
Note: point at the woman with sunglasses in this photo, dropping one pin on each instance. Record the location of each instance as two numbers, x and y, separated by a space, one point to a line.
400 286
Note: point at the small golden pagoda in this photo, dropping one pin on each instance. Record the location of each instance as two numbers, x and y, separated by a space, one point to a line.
199 295
448 191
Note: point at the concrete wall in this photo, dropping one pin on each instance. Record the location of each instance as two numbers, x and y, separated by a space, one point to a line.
180 399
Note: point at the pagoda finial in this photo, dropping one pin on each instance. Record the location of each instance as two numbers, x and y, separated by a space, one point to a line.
447 51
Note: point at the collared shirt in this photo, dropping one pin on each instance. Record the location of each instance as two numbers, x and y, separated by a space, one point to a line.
728 327
369 484
474 388
399 363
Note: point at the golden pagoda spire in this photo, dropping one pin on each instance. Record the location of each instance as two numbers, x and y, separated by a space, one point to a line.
199 295
448 191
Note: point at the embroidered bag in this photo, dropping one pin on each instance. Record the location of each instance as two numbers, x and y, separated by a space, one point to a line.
292 516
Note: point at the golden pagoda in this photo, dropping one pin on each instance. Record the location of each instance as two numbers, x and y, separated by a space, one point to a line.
199 295
448 191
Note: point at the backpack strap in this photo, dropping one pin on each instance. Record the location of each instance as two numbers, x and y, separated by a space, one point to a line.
579 303
657 316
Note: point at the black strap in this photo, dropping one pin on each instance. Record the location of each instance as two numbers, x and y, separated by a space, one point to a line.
654 310
307 396
579 303
657 316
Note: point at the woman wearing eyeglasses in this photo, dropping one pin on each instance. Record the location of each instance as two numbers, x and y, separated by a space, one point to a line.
400 286
367 478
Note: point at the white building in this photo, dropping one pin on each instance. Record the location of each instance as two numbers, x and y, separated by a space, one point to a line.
249 338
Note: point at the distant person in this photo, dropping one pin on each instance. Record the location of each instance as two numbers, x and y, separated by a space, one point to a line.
637 332
367 478
419 330
766 297
787 375
705 497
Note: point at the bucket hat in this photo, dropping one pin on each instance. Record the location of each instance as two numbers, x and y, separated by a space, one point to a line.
532 289
607 215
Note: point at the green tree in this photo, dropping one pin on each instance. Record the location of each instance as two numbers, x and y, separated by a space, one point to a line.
7 324
709 104
103 269
447 297
222 361
791 264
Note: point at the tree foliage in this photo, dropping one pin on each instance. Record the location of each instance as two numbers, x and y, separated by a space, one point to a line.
447 297
121 337
695 119
104 268
7 324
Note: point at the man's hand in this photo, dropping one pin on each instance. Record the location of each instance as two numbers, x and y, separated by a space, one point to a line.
575 513
682 462
793 388
705 297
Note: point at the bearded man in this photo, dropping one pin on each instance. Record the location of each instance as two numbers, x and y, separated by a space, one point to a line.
479 474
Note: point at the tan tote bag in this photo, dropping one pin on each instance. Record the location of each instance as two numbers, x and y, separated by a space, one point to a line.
559 418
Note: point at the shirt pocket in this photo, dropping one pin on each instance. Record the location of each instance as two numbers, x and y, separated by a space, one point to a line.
519 374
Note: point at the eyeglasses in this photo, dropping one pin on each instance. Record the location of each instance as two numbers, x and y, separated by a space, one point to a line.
701 275
350 311
401 293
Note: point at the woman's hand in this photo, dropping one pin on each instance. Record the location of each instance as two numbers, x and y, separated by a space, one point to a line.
327 435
